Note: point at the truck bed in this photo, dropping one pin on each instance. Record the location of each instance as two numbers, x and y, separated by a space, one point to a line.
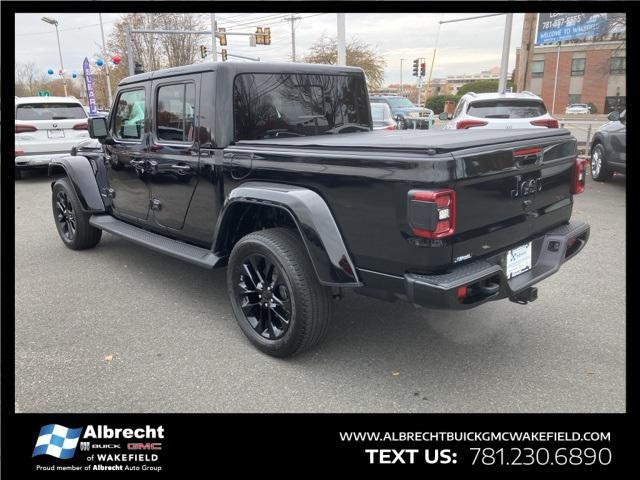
442 141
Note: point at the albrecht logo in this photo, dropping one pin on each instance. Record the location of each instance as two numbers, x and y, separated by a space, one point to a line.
57 441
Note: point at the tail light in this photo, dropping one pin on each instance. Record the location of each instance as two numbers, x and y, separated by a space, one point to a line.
547 122
467 123
390 127
81 126
18 153
22 128
579 177
432 213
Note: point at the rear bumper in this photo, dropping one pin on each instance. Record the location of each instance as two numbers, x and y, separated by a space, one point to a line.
485 277
549 252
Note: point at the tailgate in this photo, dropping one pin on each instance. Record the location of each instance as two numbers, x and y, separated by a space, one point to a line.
510 192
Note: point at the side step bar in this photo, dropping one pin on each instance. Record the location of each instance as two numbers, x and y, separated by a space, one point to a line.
198 256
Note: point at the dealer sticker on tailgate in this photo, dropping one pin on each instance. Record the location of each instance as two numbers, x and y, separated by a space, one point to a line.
518 260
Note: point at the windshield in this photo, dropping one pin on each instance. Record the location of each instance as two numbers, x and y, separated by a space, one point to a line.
271 105
400 102
49 111
506 109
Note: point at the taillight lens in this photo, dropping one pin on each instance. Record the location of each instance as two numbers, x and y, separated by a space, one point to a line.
579 180
22 128
547 122
390 127
432 213
81 126
467 123
18 153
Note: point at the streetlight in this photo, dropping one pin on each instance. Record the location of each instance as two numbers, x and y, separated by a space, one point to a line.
401 86
53 22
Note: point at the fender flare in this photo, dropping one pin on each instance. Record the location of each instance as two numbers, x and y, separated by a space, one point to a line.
82 176
317 227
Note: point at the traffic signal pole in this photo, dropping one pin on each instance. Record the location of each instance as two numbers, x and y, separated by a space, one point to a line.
214 30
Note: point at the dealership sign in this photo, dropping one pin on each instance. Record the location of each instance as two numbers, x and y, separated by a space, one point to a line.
558 27
88 79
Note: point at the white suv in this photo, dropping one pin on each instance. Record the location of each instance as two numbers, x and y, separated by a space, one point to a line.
46 128
500 111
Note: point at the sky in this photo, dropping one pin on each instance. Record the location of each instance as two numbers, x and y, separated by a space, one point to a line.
463 47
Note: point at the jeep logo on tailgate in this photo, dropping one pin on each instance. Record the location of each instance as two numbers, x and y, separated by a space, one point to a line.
526 187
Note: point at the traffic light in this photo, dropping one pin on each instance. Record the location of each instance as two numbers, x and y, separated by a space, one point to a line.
267 36
423 69
259 36
415 67
203 51
224 54
222 37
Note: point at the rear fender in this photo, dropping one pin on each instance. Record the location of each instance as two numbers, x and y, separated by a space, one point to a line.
79 171
313 219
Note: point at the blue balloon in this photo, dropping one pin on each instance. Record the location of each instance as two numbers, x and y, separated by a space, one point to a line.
74 75
99 62
50 71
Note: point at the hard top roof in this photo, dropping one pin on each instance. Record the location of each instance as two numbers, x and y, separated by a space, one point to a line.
233 68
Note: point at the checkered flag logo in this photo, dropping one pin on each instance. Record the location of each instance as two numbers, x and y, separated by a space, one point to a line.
57 441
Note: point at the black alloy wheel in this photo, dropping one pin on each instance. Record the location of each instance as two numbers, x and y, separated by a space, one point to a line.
264 297
65 216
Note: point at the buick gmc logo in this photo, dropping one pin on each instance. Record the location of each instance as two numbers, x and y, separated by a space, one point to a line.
526 187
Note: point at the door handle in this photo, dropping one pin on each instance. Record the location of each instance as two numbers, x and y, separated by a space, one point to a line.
181 169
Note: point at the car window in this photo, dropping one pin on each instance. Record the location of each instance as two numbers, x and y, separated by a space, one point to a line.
459 109
400 102
270 105
129 115
49 111
175 112
500 108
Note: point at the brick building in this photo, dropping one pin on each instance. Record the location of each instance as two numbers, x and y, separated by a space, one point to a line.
589 72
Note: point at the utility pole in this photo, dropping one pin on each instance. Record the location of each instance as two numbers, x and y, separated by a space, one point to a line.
129 51
214 30
401 85
504 64
555 80
342 49
106 63
433 58
526 49
292 19
53 22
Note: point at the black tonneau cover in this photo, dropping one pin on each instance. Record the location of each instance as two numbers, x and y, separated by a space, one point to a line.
441 141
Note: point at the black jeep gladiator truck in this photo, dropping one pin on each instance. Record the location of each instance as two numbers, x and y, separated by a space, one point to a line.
274 170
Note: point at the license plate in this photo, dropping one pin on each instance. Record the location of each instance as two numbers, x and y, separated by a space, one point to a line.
55 133
518 260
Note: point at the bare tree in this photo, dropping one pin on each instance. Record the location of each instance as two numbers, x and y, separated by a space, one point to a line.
29 79
359 54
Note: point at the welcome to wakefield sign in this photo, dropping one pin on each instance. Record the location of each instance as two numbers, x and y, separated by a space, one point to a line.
558 27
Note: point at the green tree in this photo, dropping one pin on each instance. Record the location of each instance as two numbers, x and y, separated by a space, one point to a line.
359 54
436 102
482 86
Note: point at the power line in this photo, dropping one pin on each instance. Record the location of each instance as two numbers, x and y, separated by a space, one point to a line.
64 29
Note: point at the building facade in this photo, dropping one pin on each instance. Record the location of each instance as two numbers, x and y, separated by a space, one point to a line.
590 72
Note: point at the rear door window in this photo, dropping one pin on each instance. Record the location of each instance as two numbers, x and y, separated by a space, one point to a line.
175 112
128 123
506 109
49 111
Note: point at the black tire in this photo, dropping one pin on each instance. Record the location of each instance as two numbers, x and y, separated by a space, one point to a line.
295 286
600 170
401 124
72 223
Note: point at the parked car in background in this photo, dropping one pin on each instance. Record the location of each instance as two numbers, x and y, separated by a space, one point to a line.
499 111
578 108
382 117
405 113
46 128
608 148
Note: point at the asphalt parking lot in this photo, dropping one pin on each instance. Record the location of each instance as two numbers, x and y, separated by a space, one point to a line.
123 329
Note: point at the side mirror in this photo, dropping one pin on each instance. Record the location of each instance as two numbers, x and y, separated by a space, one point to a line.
614 116
98 128
444 116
